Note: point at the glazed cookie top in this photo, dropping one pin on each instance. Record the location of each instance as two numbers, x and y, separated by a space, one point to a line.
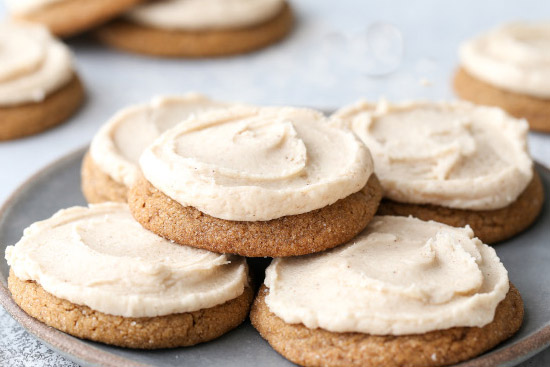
32 63
205 14
119 143
257 164
28 6
400 276
130 271
452 154
514 57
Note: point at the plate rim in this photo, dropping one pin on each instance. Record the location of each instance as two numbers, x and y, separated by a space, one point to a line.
78 351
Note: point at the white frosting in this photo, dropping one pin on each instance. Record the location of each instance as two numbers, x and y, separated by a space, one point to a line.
28 6
116 148
400 276
197 15
32 63
514 57
256 164
456 154
102 258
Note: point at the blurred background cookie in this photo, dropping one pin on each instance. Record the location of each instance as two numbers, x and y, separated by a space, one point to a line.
199 28
39 87
509 67
65 18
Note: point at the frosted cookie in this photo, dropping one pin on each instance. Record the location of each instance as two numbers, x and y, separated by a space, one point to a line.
509 67
68 17
403 293
275 181
97 274
110 167
199 28
454 163
39 87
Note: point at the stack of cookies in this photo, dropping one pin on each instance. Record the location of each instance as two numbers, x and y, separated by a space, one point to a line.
208 182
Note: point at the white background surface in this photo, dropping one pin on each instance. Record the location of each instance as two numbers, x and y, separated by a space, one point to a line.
324 63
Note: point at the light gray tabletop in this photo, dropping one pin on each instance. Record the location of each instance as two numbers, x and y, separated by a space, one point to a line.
324 63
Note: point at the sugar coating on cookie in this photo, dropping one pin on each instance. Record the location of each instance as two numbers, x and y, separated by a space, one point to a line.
451 154
257 164
400 276
130 272
197 15
33 64
514 57
117 146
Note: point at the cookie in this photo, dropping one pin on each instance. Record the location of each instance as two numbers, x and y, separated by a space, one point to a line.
490 226
176 330
453 162
97 186
111 165
39 87
404 292
318 347
144 291
70 17
508 67
535 110
133 37
256 181
293 235
32 118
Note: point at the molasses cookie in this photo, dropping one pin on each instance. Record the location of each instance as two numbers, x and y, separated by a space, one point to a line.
39 87
110 167
404 292
508 67
456 163
199 28
97 274
275 181
66 18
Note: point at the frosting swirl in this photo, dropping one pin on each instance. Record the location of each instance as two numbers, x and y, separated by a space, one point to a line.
131 272
454 154
400 276
195 15
118 144
255 164
514 57
32 63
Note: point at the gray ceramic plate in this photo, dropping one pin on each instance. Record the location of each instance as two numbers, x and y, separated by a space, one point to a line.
527 257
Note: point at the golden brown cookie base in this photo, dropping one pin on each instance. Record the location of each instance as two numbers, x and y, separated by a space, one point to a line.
31 118
490 226
98 186
169 331
535 110
318 347
67 18
141 39
292 235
